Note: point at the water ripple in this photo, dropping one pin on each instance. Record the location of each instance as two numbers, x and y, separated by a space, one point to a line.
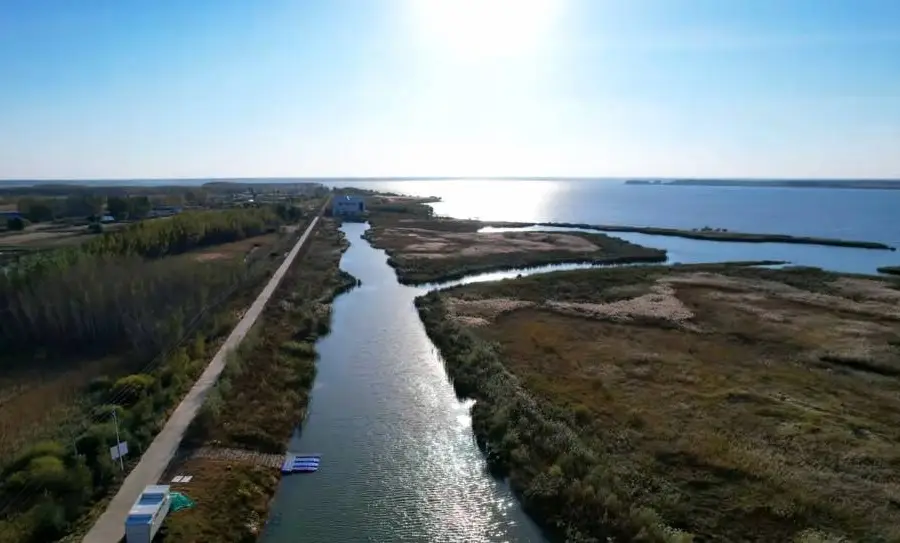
399 462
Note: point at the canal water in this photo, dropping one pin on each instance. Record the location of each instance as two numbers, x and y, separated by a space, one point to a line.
399 462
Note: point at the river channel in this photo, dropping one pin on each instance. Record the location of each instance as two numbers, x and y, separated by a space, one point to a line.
399 461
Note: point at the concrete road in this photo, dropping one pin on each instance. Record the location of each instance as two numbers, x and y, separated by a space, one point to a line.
110 527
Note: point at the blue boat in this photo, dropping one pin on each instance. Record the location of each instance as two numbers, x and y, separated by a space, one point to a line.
300 463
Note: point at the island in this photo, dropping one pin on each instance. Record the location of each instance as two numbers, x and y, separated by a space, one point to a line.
425 249
696 402
705 233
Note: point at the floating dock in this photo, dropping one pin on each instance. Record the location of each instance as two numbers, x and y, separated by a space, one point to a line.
300 463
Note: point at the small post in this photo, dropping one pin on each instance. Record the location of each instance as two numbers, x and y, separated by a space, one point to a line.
118 448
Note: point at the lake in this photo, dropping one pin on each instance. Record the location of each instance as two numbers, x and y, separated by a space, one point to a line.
868 215
862 215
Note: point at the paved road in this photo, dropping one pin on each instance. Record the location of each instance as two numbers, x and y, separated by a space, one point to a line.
110 527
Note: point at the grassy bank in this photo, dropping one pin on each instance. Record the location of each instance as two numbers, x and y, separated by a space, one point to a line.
424 249
260 399
122 330
710 403
710 234
890 270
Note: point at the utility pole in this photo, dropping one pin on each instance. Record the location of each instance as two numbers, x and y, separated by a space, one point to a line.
118 447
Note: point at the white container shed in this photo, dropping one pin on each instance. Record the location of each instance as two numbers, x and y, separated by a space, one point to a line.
147 514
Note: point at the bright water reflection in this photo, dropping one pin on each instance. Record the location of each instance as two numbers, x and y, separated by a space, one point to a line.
398 459
399 462
866 215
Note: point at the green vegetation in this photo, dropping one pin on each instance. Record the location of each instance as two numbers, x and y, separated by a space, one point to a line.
259 414
704 403
117 288
124 324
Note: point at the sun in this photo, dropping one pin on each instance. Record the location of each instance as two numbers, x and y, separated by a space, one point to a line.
477 29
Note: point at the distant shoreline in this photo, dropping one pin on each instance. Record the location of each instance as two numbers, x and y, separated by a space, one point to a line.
884 184
759 183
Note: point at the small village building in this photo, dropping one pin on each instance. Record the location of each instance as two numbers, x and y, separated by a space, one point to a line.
346 205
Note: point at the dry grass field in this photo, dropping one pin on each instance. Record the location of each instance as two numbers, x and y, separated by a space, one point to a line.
739 404
426 250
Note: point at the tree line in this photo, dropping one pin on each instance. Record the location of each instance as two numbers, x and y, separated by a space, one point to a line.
92 206
116 288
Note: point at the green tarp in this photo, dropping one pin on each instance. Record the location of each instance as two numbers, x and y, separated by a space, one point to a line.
178 501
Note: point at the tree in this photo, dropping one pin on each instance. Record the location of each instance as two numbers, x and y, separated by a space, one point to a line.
83 205
36 209
195 197
17 223
117 206
139 207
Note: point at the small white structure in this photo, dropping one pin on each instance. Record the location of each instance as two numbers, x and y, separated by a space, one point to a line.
347 205
147 514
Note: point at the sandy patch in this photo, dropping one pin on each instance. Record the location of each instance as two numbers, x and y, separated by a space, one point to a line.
423 243
481 312
206 257
660 304
771 289
867 289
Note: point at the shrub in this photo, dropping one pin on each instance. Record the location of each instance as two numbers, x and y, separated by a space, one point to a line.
17 223
131 388
48 520
296 348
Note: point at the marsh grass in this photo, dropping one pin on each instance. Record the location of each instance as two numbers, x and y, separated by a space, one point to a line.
742 429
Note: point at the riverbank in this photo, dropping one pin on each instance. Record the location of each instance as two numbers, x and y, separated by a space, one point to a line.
890 270
260 399
795 371
176 289
426 249
706 234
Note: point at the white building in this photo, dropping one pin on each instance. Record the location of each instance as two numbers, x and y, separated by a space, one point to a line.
347 205
147 514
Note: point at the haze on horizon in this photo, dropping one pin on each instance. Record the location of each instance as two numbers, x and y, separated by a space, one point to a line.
599 88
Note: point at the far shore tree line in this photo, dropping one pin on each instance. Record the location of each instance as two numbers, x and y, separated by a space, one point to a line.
86 206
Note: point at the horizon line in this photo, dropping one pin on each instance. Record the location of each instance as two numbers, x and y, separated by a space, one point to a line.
450 178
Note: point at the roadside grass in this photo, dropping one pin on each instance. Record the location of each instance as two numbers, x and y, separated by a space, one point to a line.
238 512
774 417
63 399
261 398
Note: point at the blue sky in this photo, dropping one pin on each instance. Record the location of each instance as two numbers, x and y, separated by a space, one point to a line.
212 88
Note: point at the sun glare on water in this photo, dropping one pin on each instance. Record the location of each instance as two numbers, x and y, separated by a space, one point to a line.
477 29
